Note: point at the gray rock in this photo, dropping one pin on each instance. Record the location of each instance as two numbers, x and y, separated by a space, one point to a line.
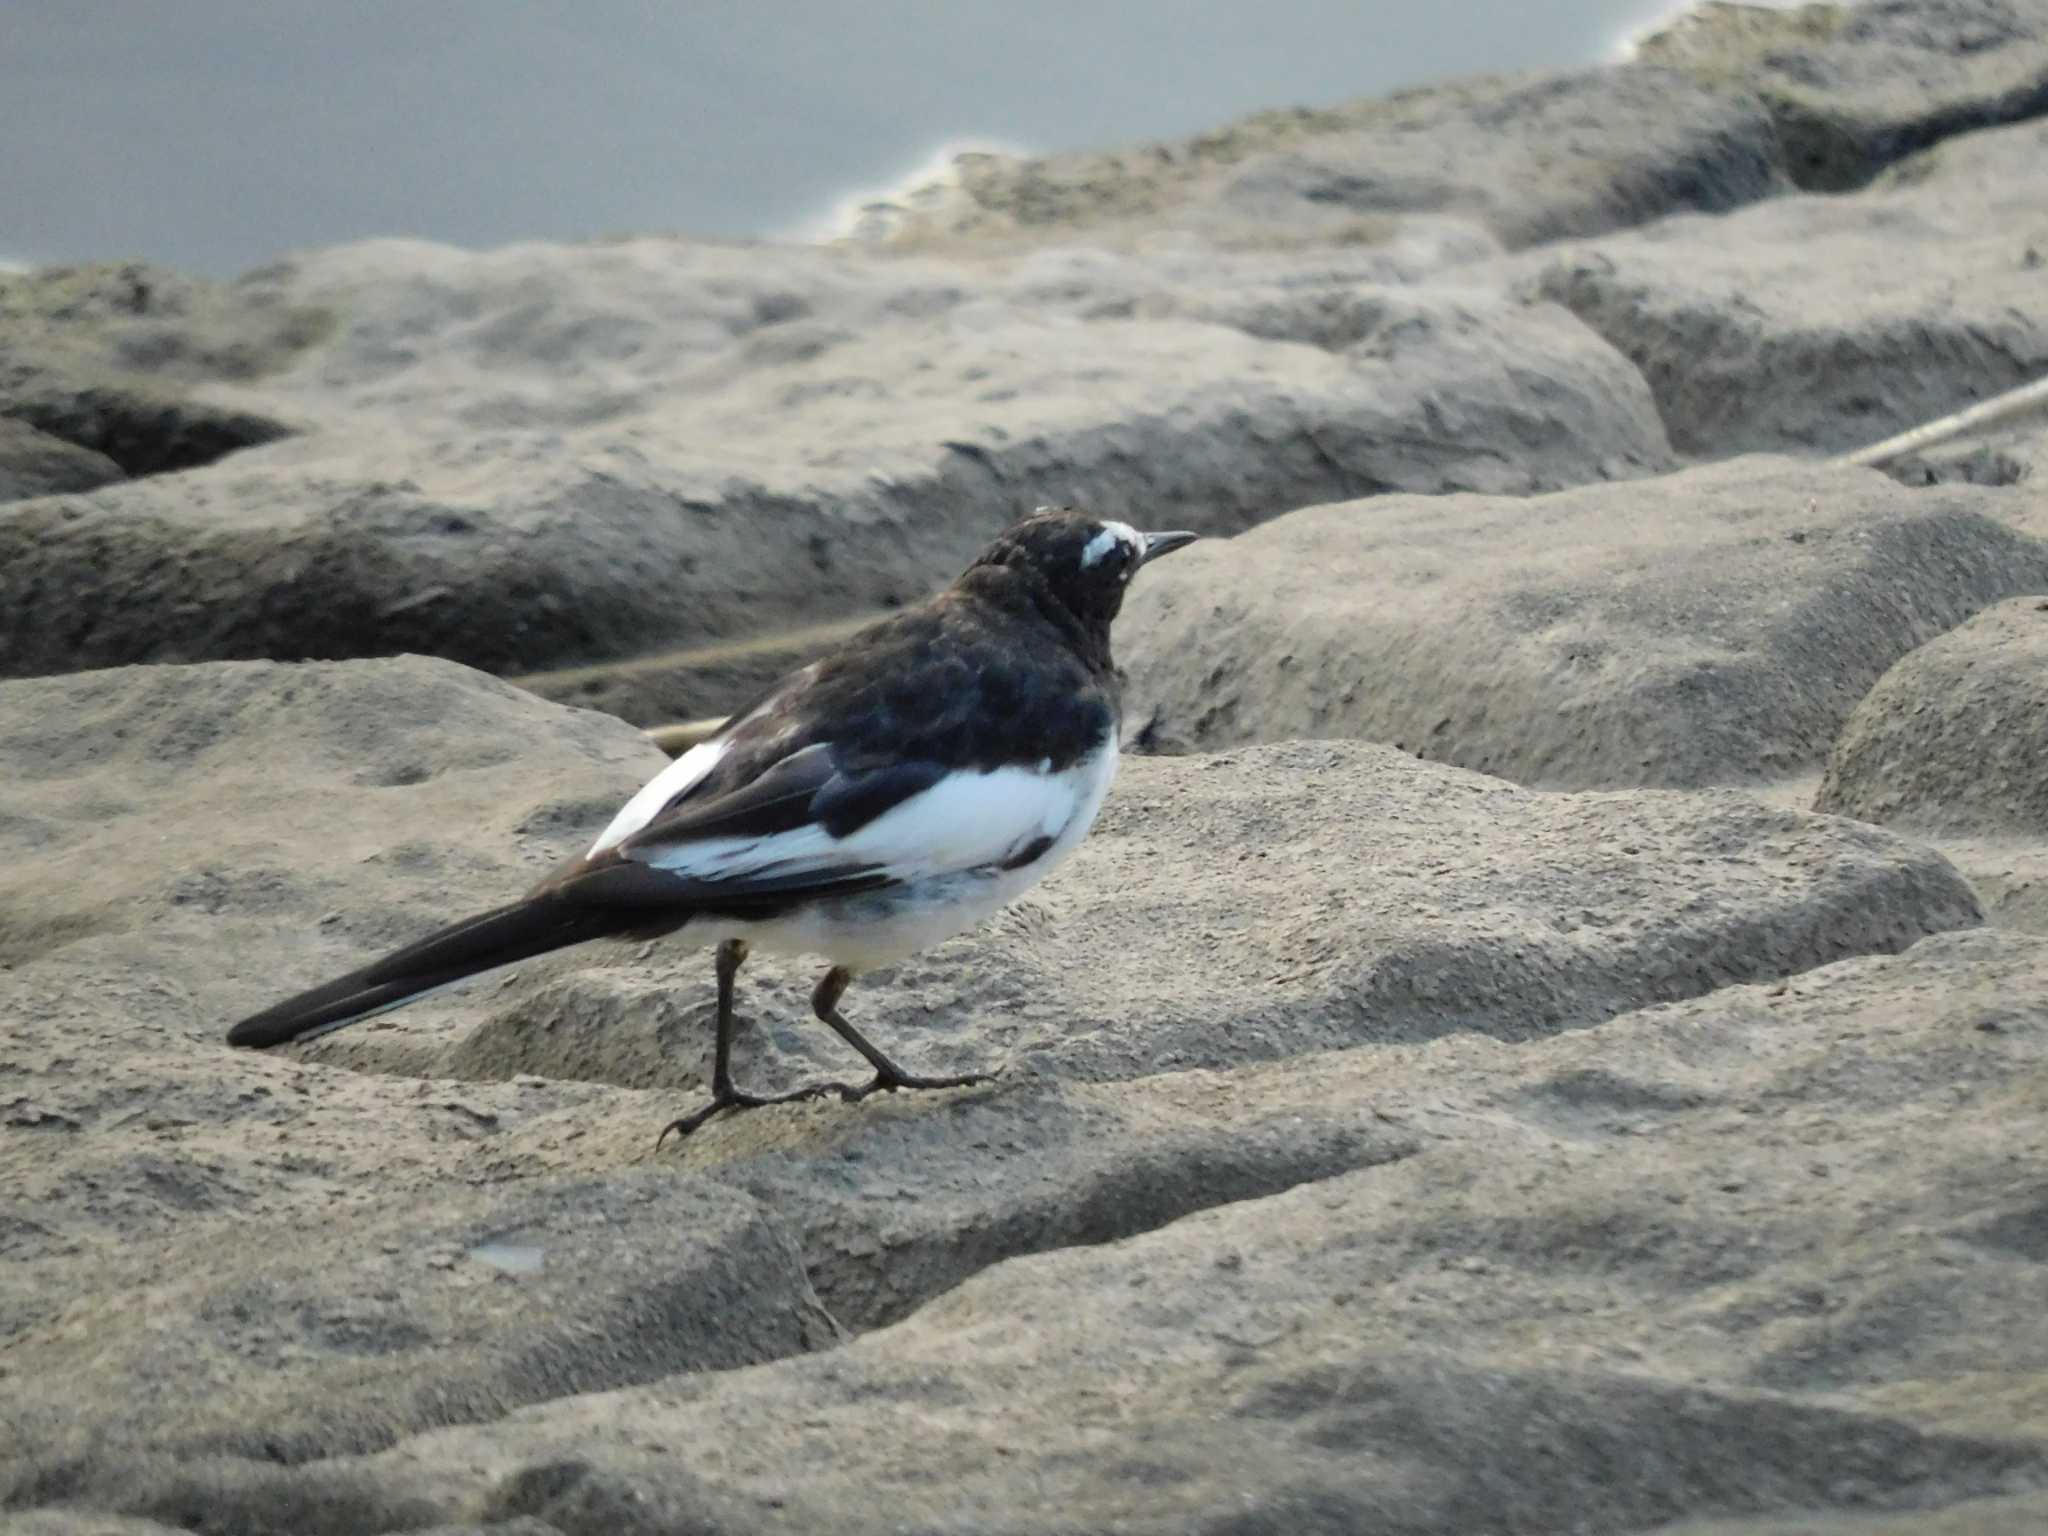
1715 626
2009 875
1526 157
1530 160
1770 1249
547 455
1831 323
1529 913
705 682
1854 88
211 1261
337 1332
115 359
1955 737
2020 1515
34 463
355 1258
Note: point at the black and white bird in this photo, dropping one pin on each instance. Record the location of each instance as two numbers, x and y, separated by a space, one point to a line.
869 805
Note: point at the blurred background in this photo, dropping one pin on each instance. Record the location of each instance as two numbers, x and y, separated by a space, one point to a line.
217 134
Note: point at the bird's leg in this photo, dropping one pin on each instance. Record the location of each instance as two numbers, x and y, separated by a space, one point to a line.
825 1004
725 1094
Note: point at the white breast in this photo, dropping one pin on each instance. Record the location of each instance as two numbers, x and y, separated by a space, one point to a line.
947 846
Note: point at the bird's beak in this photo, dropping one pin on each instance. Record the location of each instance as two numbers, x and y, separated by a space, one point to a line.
1157 544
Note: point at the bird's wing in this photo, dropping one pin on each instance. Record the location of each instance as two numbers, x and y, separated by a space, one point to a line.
773 806
811 816
672 784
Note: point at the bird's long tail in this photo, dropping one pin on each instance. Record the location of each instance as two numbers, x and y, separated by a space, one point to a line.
481 943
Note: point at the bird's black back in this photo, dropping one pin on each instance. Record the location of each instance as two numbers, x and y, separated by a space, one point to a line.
995 670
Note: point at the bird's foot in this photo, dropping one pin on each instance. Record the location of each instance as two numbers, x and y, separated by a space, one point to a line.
889 1082
729 1097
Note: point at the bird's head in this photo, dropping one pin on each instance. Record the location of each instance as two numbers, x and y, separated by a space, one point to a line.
1085 562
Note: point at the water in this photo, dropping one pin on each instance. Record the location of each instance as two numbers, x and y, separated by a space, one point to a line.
217 134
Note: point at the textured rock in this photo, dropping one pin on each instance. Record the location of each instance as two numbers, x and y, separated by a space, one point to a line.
697 683
1831 323
33 463
1529 913
2021 1515
1679 1243
1527 158
1715 626
1532 161
212 1254
1955 737
114 360
1853 88
545 454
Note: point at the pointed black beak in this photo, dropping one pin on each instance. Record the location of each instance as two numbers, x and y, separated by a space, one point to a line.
1157 544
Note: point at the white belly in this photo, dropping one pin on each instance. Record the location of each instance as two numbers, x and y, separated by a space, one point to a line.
877 928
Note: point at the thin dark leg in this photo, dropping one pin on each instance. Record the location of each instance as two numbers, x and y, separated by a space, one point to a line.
725 1094
825 1004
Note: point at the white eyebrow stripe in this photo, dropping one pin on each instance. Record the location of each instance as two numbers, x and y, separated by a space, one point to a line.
1112 535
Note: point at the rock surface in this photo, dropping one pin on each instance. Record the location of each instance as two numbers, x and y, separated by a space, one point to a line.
34 463
1955 737
115 359
1676 1244
1714 626
1525 158
1831 323
1854 88
546 454
217 1262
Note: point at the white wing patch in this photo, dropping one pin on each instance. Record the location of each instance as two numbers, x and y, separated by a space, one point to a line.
1112 535
964 822
658 791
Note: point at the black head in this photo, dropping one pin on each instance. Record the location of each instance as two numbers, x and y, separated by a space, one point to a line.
1085 563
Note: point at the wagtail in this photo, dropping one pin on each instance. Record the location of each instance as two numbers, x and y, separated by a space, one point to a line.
881 799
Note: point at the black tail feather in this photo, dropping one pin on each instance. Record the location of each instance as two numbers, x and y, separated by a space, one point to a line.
481 943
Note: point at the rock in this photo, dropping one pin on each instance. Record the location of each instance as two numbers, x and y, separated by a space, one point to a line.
432 1307
1680 1242
2020 1515
1529 914
1528 158
1830 323
113 359
1715 626
546 455
1531 160
1955 737
34 463
1855 87
150 322
179 1217
243 1256
700 683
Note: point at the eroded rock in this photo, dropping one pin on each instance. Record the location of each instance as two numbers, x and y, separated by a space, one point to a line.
1955 737
544 455
218 1260
1831 323
1714 626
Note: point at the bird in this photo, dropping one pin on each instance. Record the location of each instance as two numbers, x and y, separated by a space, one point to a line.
888 795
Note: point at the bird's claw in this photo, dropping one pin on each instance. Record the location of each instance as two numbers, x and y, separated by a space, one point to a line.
737 1098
